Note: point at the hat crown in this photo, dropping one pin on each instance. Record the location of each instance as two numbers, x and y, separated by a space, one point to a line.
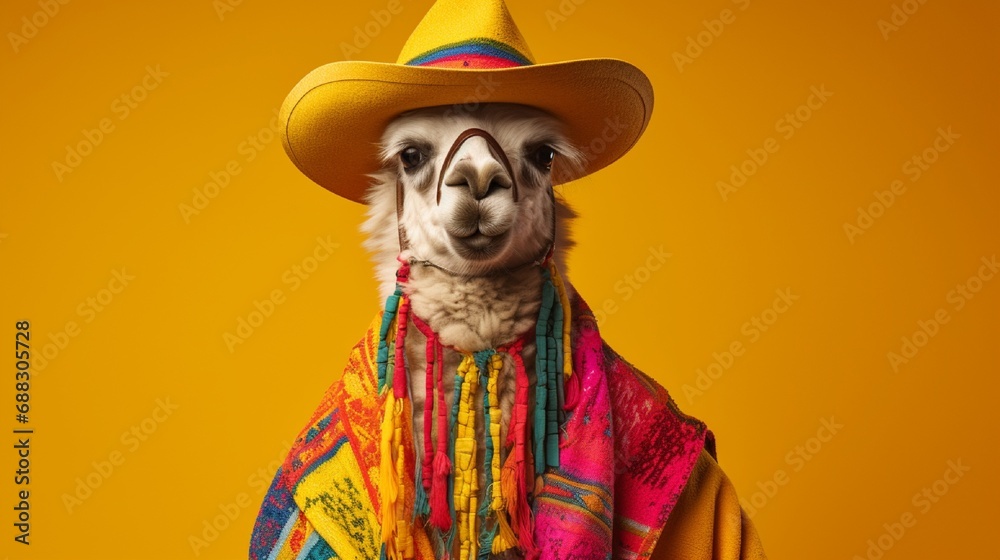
473 34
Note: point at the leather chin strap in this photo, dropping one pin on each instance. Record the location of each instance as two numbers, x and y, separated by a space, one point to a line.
499 153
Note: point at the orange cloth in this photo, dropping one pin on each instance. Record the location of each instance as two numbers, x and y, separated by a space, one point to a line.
708 523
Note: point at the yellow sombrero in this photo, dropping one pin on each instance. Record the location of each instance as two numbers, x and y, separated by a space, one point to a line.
463 53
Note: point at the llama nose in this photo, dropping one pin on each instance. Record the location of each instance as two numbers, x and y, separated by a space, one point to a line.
477 170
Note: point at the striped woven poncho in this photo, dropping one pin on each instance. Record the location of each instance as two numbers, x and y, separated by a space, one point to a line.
625 453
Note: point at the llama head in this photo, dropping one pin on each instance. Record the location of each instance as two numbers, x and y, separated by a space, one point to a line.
474 204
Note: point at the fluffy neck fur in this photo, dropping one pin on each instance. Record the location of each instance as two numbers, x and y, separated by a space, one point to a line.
468 313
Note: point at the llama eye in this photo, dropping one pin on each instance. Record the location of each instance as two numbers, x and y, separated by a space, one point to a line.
411 158
544 156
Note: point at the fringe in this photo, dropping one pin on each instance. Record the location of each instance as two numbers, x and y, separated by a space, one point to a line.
388 481
421 503
388 316
447 489
440 511
466 489
404 529
515 470
428 412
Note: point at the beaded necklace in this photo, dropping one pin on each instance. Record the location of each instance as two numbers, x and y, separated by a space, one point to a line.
498 517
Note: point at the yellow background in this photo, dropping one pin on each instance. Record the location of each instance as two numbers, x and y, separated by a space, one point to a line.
161 337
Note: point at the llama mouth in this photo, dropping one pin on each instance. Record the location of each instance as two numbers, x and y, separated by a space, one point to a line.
478 245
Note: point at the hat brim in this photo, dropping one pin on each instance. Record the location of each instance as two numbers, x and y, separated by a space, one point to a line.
335 116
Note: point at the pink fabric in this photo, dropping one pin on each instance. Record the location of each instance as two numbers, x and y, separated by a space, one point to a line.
626 453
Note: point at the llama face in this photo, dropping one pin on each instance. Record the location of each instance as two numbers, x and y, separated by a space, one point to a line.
474 202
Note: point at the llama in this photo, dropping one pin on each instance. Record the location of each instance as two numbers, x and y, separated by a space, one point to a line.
478 284
482 415
475 224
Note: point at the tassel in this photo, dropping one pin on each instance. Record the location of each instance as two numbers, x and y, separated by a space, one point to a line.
437 465
440 511
542 371
505 538
486 539
567 346
514 477
388 482
425 481
391 307
441 514
421 504
490 363
399 381
404 532
394 529
425 470
485 365
493 445
452 483
554 377
556 341
466 490
382 358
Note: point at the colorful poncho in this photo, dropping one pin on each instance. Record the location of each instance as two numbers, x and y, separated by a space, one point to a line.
625 455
